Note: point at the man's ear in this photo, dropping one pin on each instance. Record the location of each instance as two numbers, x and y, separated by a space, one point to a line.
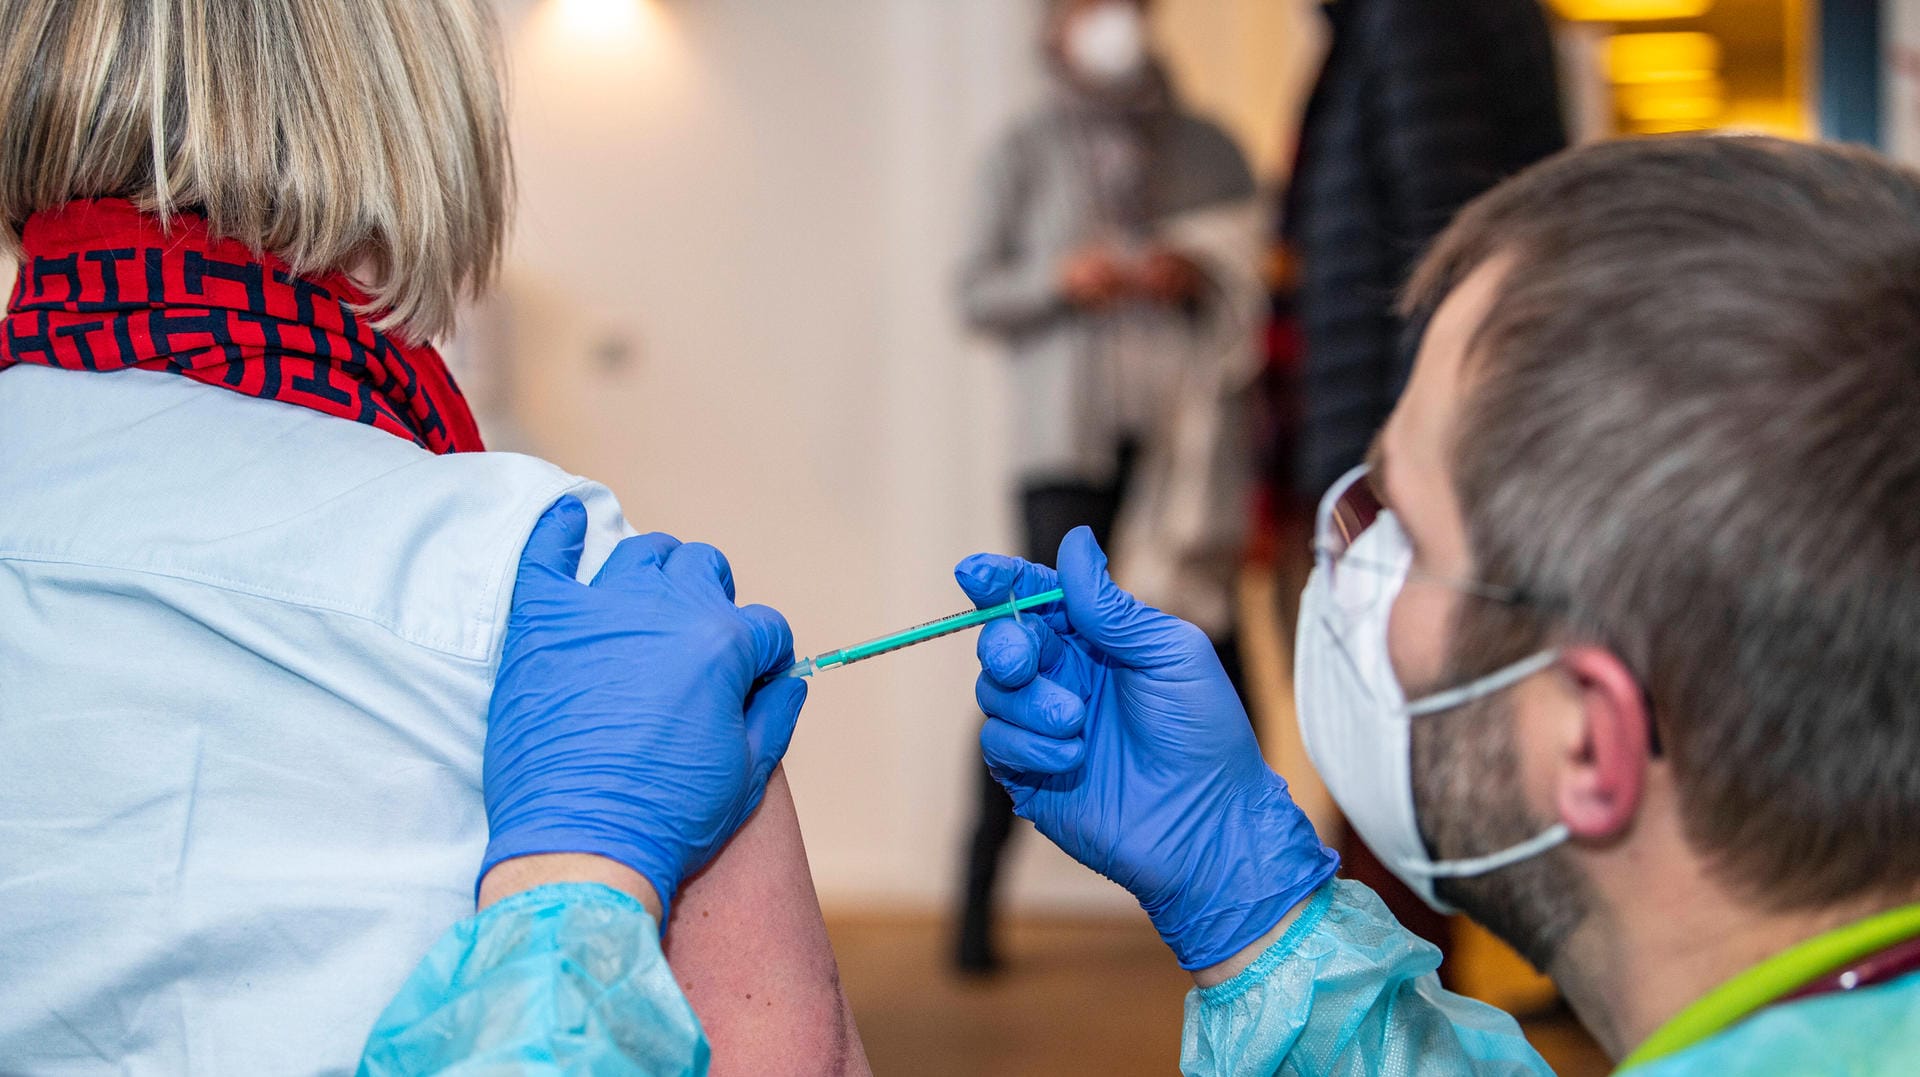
1602 763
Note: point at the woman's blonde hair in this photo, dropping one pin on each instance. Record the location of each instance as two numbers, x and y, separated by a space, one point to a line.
359 135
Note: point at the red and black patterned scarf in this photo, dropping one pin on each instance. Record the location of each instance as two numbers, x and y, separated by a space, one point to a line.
105 287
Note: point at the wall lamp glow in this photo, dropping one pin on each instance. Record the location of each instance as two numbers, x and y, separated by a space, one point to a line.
602 19
1666 57
1698 108
1630 10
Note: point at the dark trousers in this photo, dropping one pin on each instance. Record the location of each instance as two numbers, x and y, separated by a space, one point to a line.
1049 512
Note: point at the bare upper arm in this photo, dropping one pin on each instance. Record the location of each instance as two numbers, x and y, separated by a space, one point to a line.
749 947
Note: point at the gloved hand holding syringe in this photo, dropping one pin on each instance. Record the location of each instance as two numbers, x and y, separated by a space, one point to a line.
945 626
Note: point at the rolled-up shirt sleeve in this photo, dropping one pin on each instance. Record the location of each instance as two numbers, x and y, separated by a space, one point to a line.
567 978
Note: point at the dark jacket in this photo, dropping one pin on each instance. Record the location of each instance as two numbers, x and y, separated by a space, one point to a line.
1422 105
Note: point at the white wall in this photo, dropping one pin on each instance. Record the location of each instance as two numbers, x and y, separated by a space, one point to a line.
1248 64
1900 82
761 202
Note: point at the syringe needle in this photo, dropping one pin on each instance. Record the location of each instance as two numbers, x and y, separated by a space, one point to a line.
945 626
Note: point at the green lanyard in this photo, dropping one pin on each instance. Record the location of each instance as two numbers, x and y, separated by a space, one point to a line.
1779 975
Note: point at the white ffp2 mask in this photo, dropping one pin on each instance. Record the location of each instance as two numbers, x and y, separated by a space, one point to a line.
1356 721
1107 46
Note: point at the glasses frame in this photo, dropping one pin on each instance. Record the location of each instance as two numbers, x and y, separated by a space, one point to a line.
1334 534
1326 519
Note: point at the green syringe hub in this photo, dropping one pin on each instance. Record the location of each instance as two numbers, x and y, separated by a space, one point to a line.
945 626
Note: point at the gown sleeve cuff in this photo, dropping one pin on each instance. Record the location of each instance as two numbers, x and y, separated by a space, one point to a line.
1223 994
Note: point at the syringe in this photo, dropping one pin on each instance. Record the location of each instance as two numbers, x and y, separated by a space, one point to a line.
945 626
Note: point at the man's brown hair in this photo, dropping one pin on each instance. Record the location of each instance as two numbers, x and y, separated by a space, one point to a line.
1693 436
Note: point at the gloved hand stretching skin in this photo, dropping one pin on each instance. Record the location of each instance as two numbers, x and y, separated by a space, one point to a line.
624 720
1116 731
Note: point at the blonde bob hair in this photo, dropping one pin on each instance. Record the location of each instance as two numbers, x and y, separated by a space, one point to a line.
367 136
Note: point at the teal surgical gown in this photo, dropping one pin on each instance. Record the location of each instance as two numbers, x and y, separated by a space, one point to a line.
570 979
566 978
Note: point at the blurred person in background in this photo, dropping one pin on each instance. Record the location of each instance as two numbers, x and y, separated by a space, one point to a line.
1116 256
1421 106
254 568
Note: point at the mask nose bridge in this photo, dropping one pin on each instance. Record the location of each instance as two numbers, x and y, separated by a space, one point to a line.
1349 615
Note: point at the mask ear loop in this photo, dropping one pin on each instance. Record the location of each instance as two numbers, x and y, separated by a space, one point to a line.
1481 865
1485 686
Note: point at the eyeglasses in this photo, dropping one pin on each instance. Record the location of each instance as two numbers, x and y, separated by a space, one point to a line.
1348 510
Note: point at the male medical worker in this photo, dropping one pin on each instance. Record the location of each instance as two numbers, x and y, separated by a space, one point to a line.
1613 646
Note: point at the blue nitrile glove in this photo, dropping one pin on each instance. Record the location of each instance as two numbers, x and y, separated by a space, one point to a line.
1116 731
624 721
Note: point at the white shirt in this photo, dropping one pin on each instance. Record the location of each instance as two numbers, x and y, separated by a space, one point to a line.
245 656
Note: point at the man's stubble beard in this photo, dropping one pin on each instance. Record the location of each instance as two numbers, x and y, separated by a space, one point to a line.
1468 803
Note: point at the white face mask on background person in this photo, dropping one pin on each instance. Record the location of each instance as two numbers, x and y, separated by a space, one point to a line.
1355 718
1107 46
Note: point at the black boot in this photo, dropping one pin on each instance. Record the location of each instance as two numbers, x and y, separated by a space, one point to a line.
974 951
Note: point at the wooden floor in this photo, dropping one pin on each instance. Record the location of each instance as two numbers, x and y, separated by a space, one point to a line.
1079 996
